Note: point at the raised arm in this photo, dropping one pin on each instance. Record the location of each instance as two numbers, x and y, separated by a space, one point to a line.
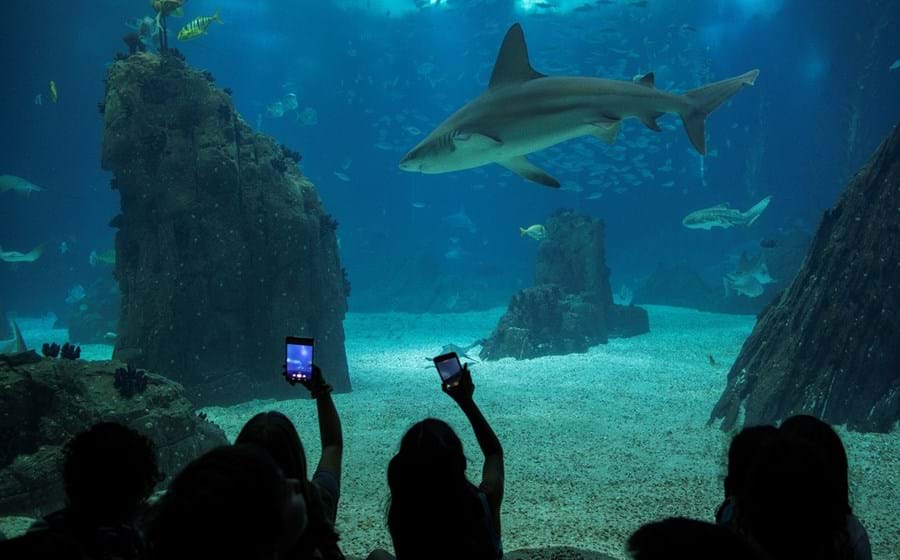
330 430
492 476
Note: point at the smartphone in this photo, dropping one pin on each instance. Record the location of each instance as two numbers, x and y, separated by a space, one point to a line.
448 367
298 358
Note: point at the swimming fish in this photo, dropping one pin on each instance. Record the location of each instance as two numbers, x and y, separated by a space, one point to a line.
199 27
18 185
17 257
524 111
54 94
536 232
724 217
106 257
750 277
39 99
895 65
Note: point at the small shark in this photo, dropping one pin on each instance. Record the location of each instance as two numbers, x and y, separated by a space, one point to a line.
17 344
18 185
524 111
724 217
17 257
461 351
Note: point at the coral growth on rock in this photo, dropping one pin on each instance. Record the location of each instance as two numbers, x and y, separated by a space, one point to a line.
223 246
130 381
46 402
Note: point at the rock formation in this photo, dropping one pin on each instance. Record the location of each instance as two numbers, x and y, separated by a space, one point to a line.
223 247
45 402
830 345
570 307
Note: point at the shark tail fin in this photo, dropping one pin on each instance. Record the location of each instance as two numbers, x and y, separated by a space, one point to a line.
757 210
706 99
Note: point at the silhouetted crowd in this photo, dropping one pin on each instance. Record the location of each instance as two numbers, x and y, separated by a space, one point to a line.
786 496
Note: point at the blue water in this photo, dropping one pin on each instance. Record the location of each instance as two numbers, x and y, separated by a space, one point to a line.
371 69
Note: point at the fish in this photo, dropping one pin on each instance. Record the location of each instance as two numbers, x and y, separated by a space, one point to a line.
461 351
39 99
750 277
895 65
63 248
460 220
106 257
524 111
17 257
742 284
724 217
536 232
199 26
76 294
54 94
418 205
342 176
17 344
18 185
146 29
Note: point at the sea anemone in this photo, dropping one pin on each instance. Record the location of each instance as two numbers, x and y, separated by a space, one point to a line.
130 381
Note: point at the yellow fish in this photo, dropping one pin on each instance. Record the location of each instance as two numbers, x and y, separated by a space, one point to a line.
54 95
198 27
536 232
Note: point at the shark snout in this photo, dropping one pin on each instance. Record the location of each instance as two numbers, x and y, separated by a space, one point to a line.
410 163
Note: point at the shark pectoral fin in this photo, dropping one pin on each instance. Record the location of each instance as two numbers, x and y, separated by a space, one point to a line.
524 168
650 121
607 131
512 64
477 140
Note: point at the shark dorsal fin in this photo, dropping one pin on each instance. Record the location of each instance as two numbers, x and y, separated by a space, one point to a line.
646 80
512 64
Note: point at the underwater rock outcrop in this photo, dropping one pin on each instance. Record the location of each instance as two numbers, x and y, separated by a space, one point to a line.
830 345
223 246
45 402
570 307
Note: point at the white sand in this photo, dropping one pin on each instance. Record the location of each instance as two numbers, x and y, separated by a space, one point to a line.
596 444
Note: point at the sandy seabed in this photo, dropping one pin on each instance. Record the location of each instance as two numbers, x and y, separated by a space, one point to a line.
596 444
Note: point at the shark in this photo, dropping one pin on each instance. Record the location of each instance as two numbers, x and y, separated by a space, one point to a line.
18 185
18 257
524 111
725 217
750 277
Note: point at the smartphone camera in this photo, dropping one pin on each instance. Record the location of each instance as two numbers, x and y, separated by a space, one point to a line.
298 358
448 367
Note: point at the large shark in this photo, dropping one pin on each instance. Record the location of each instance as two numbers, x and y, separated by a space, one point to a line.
524 111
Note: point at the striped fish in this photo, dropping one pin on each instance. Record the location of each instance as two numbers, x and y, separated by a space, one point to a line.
198 27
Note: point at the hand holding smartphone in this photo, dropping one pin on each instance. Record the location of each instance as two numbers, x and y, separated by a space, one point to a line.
298 359
448 367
